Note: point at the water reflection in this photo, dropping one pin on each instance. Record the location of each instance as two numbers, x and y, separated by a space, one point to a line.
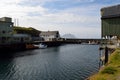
67 62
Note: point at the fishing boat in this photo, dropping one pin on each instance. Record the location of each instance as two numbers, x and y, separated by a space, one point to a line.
41 46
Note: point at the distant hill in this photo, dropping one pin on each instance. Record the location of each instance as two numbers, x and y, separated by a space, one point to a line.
68 36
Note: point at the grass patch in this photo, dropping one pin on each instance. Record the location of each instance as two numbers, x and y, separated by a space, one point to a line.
109 70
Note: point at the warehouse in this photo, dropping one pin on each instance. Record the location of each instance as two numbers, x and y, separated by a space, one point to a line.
110 21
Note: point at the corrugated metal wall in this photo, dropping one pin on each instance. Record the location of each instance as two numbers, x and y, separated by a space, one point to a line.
111 27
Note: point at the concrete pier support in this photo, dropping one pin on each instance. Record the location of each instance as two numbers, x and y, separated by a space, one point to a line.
106 55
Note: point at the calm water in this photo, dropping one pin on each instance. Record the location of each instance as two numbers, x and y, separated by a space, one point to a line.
67 62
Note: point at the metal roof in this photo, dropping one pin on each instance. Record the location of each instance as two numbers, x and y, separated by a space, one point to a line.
111 11
6 19
49 32
21 35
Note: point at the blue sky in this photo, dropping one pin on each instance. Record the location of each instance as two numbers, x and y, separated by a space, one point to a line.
78 17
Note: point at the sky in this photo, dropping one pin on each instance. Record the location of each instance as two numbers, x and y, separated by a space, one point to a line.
78 17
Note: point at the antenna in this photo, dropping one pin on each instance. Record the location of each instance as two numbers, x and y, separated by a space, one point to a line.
14 22
17 22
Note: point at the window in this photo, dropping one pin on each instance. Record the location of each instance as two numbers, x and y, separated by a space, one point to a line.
10 25
3 32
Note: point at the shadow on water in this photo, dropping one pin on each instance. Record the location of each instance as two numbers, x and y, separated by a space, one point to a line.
24 53
7 54
11 53
6 67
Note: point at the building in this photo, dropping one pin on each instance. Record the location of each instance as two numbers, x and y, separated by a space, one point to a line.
6 30
37 39
110 20
21 38
50 35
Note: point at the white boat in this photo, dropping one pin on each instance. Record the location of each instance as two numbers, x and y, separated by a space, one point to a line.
41 46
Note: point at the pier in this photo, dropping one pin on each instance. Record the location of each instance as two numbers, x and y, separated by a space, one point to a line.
69 41
80 41
28 46
104 54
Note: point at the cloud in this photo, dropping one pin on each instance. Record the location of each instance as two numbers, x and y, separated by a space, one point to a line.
77 17
12 9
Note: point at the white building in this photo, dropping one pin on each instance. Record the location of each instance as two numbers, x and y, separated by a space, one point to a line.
50 35
6 30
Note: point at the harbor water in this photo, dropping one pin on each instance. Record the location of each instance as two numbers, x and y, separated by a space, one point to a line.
65 62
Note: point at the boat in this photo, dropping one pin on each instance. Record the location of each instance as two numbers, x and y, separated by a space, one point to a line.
41 46
31 46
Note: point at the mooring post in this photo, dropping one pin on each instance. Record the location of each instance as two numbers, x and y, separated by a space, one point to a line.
106 54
